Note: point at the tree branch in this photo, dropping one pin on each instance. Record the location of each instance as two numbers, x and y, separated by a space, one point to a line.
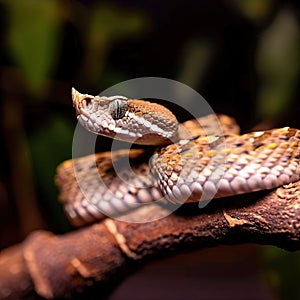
67 265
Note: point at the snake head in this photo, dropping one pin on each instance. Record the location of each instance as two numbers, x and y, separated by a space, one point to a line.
135 121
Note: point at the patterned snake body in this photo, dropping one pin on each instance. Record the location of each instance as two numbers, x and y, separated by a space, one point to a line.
193 162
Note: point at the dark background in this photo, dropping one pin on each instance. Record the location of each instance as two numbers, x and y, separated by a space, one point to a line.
242 56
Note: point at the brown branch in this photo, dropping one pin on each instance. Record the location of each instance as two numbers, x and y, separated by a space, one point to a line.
63 266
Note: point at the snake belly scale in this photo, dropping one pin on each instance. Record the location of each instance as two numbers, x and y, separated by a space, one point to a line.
191 162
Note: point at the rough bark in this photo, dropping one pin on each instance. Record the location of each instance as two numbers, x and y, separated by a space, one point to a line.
98 256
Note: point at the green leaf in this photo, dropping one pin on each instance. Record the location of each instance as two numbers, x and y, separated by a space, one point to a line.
33 37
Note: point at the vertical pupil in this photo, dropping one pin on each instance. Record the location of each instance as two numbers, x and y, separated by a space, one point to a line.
118 109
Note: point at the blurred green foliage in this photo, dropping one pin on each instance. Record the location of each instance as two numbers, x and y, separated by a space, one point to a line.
278 64
50 146
34 35
255 10
33 39
108 25
281 271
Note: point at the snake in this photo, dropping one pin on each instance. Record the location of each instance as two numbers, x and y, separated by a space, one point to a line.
201 159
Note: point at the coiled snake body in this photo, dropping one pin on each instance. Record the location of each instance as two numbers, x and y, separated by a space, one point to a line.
192 162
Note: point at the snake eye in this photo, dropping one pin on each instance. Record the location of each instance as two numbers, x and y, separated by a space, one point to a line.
117 108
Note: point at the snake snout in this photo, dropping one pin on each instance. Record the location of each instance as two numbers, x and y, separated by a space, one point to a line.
80 101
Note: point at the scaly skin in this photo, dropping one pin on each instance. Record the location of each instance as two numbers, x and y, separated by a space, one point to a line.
201 162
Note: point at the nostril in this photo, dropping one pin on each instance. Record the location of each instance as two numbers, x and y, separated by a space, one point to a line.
86 102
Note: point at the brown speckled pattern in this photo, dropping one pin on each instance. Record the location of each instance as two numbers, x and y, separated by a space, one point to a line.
217 167
209 161
144 122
